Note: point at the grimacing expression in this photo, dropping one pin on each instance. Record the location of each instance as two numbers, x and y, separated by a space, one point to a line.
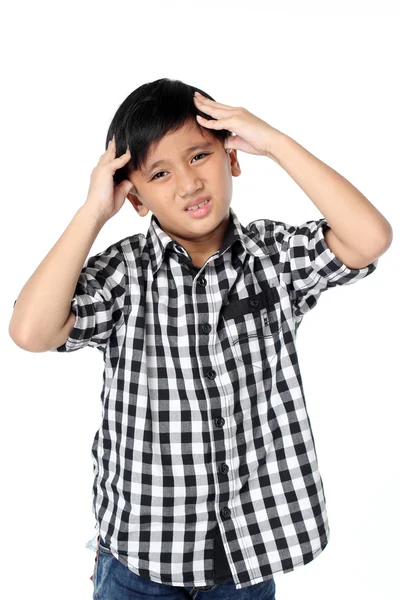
182 167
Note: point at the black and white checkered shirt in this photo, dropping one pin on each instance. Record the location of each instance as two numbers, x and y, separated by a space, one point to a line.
205 436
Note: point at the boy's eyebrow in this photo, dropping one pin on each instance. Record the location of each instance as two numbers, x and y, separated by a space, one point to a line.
200 146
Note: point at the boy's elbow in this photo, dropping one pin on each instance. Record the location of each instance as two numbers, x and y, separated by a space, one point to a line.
23 343
32 342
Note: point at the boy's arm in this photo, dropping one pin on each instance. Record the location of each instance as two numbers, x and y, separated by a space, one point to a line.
59 340
360 233
42 314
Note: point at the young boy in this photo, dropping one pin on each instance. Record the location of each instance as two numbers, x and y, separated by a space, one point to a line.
206 473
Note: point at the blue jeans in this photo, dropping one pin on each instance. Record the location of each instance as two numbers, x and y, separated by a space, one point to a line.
113 581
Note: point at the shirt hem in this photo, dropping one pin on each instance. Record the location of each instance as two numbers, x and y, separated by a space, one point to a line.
210 582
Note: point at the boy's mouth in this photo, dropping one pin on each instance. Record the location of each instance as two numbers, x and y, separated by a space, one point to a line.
198 204
200 210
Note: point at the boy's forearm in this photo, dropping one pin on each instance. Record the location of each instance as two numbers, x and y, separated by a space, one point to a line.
44 303
353 218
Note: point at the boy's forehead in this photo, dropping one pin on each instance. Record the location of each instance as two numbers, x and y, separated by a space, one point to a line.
181 141
188 134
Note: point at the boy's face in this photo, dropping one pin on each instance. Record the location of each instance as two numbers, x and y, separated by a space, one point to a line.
183 176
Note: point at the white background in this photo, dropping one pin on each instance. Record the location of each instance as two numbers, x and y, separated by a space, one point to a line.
324 73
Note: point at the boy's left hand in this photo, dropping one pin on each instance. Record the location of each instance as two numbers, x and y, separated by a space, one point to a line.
253 135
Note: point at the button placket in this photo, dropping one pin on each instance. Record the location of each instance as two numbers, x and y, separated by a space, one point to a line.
219 421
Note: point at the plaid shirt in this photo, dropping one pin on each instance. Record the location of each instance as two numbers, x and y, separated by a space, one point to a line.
205 438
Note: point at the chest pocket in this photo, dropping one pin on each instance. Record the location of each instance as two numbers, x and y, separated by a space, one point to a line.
253 326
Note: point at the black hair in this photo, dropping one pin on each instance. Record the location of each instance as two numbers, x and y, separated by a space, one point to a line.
148 114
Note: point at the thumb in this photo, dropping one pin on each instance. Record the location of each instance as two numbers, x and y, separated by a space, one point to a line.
231 142
125 186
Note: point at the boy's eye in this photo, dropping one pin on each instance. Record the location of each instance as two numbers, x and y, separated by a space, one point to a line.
160 172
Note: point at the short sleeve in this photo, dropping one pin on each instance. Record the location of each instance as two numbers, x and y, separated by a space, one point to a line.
98 301
308 266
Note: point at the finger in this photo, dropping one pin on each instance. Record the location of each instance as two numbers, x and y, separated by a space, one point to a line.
110 150
109 153
206 101
111 144
207 108
214 124
126 155
123 158
118 162
215 111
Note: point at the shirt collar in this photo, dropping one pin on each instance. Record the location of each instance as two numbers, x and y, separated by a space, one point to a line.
159 242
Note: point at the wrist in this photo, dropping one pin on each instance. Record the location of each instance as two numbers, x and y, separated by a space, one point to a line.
93 213
274 143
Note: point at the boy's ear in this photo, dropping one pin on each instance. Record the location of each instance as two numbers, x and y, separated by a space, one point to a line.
235 167
140 208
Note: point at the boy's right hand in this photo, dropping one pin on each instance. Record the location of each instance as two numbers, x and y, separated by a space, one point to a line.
103 196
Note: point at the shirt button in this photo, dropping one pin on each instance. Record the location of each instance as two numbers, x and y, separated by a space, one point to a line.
202 281
254 302
206 328
224 468
211 374
219 421
225 513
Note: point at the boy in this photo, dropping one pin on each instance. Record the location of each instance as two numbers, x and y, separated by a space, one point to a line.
206 472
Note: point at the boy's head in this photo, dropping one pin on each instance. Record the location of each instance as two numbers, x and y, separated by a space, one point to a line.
158 123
